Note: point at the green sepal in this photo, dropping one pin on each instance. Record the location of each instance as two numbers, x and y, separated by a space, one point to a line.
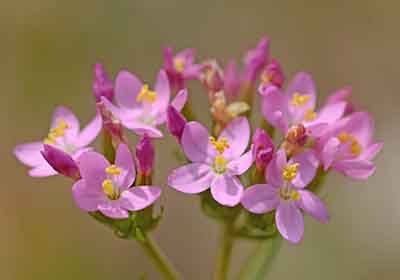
214 210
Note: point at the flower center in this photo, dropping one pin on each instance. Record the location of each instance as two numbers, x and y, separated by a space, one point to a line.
147 95
113 170
110 190
179 64
289 172
220 164
299 100
310 115
56 132
355 147
220 145
288 193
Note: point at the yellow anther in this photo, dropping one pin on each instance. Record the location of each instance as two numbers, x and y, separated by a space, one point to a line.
220 164
289 193
294 195
310 115
109 189
113 170
220 145
179 64
355 147
61 124
146 94
300 100
55 132
290 171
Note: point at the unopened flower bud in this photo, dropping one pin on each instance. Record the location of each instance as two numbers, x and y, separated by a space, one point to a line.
145 155
175 122
213 76
111 125
62 162
255 60
231 80
264 148
102 85
273 74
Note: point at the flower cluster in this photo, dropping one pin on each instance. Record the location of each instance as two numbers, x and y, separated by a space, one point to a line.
242 171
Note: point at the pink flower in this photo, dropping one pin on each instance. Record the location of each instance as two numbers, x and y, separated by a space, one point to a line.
140 108
66 137
145 155
108 187
181 67
297 106
285 192
215 162
273 74
347 146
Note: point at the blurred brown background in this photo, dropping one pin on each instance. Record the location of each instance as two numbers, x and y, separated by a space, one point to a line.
47 51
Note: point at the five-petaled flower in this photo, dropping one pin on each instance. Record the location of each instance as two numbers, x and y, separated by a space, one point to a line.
108 188
216 163
285 192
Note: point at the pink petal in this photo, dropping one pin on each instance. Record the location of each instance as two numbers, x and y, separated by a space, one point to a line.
60 161
65 114
163 93
191 178
329 152
227 190
138 198
141 129
90 132
371 152
260 198
87 199
127 87
122 114
274 106
313 206
124 160
196 143
180 99
29 154
238 134
331 113
360 125
113 210
43 170
307 169
289 221
302 84
92 167
242 164
275 168
355 168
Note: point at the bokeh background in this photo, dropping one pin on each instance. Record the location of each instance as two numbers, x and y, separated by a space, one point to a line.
47 50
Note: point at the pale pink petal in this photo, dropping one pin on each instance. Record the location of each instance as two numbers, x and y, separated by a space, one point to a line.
138 198
361 126
196 143
92 167
180 99
124 160
29 153
227 190
113 210
89 132
260 198
140 129
313 206
238 134
87 199
43 170
122 113
62 113
274 106
307 168
289 221
127 87
275 169
329 152
330 113
163 91
355 168
371 152
191 178
242 164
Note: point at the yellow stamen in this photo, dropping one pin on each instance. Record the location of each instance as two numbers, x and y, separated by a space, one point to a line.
355 147
290 171
56 132
113 170
146 94
294 195
179 64
300 100
110 190
220 164
220 145
310 115
289 193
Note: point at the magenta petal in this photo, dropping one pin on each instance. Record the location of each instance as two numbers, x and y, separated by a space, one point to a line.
127 87
138 198
260 198
329 152
90 132
227 190
29 153
242 164
92 166
141 129
60 161
87 199
65 114
274 169
113 210
238 134
43 170
371 152
312 205
124 160
307 169
191 178
180 99
289 221
196 143
356 168
274 107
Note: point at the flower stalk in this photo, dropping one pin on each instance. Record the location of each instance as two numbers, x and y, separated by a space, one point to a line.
225 252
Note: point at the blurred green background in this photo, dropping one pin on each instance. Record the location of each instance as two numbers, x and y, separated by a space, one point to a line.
47 52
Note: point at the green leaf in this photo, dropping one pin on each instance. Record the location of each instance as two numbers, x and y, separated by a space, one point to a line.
260 262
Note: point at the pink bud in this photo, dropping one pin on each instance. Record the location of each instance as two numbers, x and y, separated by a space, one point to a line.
110 124
145 155
102 85
264 148
175 122
273 74
212 78
231 80
62 162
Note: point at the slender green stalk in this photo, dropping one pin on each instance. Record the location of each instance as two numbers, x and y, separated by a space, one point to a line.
225 252
158 258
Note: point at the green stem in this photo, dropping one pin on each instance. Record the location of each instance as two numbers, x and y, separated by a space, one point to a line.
158 258
225 252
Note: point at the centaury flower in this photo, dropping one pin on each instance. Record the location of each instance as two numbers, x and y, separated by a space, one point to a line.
285 192
348 147
66 137
140 108
216 163
107 187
